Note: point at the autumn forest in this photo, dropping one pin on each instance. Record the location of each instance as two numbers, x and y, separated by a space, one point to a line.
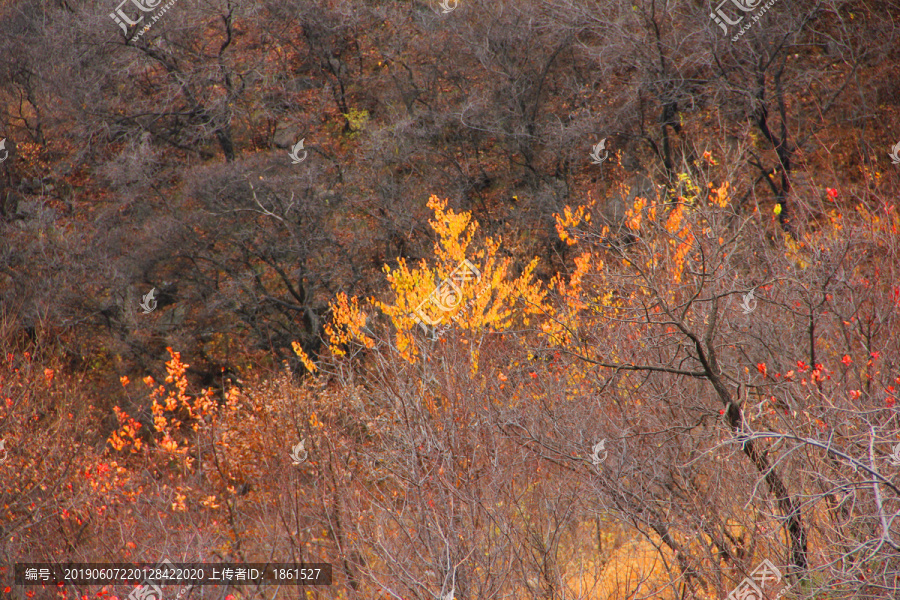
467 299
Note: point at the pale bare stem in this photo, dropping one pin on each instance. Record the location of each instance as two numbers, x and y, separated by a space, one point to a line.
262 209
743 439
885 526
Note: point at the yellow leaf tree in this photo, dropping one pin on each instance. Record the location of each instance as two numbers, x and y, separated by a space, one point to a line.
476 291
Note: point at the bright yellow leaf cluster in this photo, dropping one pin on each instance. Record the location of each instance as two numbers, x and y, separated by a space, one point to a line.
489 297
558 329
572 219
304 357
691 190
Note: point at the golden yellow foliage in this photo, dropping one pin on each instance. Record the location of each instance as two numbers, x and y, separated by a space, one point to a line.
487 297
346 324
572 219
304 357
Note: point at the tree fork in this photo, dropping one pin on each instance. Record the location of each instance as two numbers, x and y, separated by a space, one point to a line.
788 505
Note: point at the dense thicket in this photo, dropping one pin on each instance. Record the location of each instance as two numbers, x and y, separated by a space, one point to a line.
612 301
